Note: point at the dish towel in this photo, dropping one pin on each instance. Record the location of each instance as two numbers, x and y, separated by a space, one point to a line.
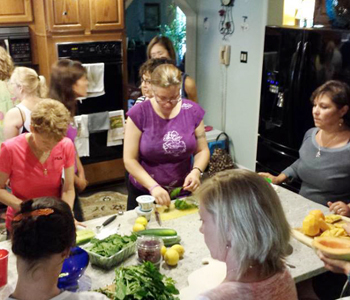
82 139
95 76
98 122
115 134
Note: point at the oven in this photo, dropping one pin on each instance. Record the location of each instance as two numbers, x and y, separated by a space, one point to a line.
111 54
16 40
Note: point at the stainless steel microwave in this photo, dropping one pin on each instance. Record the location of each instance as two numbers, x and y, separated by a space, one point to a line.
16 40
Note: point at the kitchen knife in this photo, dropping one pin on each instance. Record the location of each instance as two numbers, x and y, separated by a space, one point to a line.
157 215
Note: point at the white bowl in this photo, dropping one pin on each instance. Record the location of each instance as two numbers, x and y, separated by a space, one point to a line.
145 202
146 214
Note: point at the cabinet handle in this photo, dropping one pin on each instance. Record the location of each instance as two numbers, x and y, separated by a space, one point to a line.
65 13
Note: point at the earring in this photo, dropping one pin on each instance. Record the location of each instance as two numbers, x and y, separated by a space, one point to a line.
341 121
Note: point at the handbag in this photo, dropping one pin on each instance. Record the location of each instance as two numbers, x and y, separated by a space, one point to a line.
221 159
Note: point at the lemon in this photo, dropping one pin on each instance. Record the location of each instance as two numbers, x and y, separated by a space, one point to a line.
138 227
171 257
163 250
179 249
141 220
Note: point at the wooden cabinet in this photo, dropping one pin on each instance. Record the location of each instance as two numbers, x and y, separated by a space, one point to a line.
84 15
106 14
15 11
65 15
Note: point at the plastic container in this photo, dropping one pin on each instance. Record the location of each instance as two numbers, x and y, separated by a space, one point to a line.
146 214
4 254
149 249
145 202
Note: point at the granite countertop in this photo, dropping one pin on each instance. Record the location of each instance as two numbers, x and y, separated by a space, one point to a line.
306 262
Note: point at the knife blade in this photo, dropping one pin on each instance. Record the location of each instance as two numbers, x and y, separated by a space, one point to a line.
157 215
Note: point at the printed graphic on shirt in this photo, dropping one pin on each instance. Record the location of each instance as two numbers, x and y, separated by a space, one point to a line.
186 105
173 144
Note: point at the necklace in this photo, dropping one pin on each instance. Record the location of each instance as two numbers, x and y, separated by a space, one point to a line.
318 154
41 156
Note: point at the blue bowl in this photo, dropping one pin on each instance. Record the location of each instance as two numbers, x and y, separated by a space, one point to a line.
73 268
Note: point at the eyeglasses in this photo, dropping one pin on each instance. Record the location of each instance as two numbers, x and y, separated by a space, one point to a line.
160 100
145 81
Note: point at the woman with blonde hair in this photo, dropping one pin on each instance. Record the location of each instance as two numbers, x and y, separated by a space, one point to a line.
34 161
6 103
162 47
244 226
161 138
29 88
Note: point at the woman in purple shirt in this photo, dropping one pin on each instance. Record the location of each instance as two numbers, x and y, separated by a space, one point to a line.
161 137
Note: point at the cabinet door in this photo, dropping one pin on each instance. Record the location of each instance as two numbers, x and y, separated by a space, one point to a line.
15 11
106 14
65 15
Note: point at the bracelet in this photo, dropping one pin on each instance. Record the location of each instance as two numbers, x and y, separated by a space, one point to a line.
200 171
153 187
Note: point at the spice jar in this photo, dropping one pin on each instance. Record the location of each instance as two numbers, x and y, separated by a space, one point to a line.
149 249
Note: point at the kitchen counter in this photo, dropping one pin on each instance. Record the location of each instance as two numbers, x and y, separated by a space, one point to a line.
306 262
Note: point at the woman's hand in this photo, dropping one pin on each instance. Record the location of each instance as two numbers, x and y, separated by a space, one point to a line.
339 208
334 265
192 181
161 195
274 179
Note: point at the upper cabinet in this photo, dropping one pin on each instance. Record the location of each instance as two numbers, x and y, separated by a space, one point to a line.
66 15
15 11
84 15
106 14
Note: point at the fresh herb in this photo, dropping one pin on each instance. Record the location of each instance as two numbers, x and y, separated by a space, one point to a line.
143 282
111 245
175 192
183 204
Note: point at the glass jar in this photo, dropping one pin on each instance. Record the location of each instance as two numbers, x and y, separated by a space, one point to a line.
149 249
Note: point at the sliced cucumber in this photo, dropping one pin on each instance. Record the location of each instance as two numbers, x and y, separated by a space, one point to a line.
84 236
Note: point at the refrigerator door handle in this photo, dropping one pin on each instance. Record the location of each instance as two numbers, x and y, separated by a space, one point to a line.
294 63
302 67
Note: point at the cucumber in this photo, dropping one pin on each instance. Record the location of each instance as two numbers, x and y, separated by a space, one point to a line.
171 240
158 232
84 236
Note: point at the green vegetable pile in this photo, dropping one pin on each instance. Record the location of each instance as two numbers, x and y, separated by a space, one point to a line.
183 204
112 244
142 282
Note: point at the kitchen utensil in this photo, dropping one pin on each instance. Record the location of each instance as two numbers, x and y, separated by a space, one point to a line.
157 215
105 223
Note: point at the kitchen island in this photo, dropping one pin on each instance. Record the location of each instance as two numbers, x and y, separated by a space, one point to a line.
303 262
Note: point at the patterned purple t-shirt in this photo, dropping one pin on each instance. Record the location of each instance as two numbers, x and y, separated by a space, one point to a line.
166 145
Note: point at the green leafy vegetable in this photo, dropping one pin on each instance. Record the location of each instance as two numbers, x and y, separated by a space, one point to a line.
175 192
183 204
143 282
111 245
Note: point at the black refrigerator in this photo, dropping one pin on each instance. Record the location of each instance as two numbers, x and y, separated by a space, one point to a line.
296 61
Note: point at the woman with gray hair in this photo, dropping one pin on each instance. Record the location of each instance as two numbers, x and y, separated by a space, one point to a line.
244 226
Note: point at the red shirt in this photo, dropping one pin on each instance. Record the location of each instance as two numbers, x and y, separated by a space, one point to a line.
29 178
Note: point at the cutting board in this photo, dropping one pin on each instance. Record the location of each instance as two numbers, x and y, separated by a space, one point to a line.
175 213
204 279
301 237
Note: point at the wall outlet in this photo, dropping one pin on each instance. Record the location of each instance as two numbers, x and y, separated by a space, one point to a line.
244 57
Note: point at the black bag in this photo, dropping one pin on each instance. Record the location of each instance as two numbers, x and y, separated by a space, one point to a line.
221 159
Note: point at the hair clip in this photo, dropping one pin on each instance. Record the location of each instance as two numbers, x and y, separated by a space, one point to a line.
34 213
